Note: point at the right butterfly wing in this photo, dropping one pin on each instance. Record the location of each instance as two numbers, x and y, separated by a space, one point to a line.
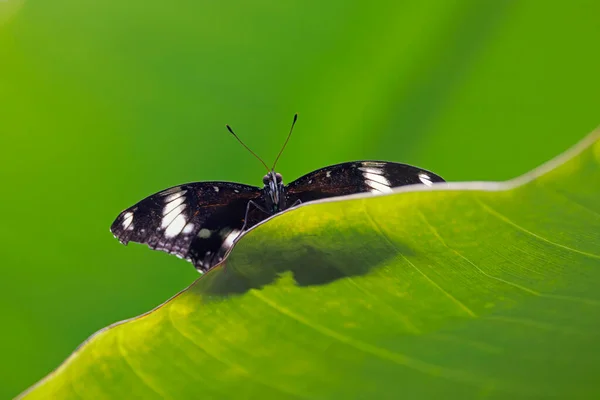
196 221
356 177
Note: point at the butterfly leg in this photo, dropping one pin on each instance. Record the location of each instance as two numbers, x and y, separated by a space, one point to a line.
296 203
248 210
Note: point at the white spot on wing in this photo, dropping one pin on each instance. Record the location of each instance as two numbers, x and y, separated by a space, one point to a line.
175 195
374 179
173 205
216 189
328 174
377 178
167 219
128 221
188 228
372 164
172 190
175 226
378 187
425 179
204 233
370 170
228 242
235 190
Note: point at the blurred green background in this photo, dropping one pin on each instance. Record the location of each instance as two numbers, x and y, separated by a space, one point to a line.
104 103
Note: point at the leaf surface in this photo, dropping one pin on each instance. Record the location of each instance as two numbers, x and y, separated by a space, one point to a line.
463 291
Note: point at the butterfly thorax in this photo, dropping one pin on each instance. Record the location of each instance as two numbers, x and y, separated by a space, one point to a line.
274 192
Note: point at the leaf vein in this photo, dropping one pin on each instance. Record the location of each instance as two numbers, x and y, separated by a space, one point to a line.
436 233
508 221
140 376
564 195
223 361
409 325
459 303
397 358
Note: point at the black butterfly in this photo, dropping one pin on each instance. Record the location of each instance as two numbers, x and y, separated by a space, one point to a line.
200 221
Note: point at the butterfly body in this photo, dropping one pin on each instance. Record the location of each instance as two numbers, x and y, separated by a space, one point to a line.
200 221
274 192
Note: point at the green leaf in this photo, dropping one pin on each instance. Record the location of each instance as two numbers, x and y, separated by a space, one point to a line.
464 291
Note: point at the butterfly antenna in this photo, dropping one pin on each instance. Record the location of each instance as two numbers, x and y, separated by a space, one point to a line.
286 141
247 148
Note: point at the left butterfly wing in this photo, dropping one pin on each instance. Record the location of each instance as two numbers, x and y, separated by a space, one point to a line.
356 177
196 221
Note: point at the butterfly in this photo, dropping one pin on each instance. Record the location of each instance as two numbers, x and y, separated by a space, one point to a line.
201 221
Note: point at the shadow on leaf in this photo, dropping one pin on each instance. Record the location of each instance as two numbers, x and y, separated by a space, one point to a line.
258 262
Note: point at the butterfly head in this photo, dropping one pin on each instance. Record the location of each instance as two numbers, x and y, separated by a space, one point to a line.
274 191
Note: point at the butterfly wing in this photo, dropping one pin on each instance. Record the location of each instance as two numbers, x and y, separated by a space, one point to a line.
356 177
196 221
